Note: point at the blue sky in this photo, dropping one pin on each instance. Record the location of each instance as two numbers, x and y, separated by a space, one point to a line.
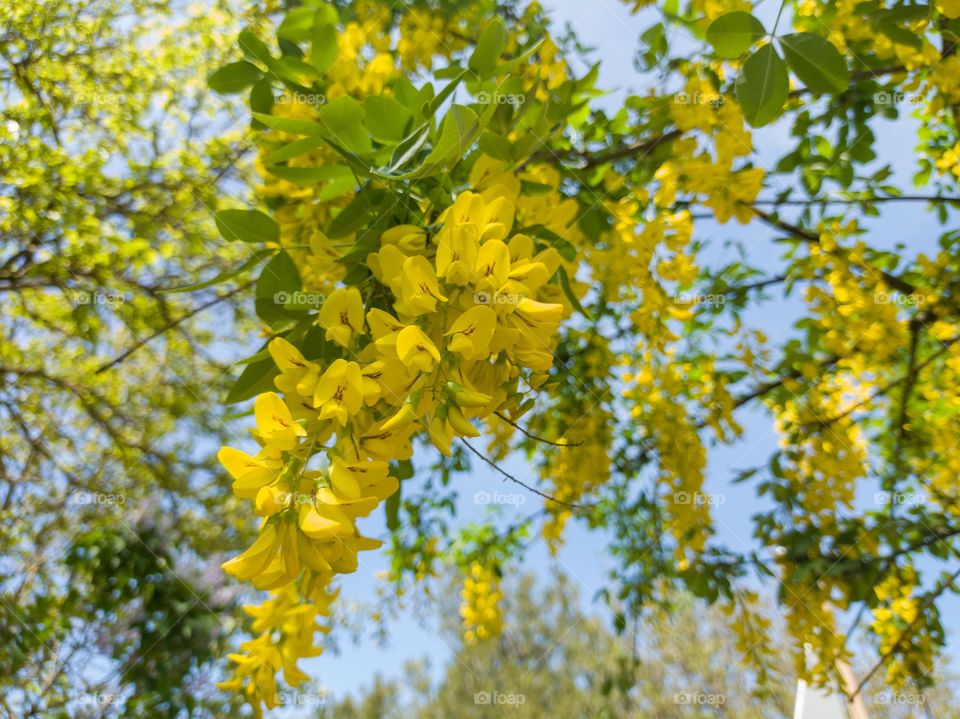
609 27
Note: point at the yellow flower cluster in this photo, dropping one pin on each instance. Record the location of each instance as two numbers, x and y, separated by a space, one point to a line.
898 611
465 332
482 618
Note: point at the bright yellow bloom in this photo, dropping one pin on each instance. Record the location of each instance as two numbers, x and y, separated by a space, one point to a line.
419 290
416 350
341 315
274 423
471 333
340 391
249 474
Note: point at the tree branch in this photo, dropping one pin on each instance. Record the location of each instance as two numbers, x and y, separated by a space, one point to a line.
507 475
170 325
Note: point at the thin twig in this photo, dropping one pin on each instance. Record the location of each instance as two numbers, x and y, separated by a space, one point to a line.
170 325
507 475
535 437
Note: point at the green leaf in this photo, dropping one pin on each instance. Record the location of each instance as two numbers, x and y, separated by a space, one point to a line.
489 48
568 291
235 77
816 62
458 131
291 125
406 150
496 145
435 102
352 217
901 35
511 65
254 48
275 286
763 86
324 48
261 98
343 118
257 257
386 118
294 149
297 24
247 225
255 378
734 33
303 176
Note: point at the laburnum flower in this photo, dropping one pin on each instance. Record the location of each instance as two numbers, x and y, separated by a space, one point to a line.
492 266
384 328
297 379
275 425
493 220
387 266
408 238
416 350
471 333
457 249
340 392
350 478
258 557
950 8
391 377
386 444
419 289
316 526
259 665
341 315
349 508
249 474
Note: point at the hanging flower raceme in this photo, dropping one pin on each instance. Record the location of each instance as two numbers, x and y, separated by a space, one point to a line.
482 617
466 329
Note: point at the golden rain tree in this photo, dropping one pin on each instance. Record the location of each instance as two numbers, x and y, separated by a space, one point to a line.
463 257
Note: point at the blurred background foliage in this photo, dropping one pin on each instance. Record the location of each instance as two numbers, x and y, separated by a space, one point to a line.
114 156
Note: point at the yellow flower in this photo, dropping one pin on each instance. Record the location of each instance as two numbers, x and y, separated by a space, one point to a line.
950 8
256 559
409 238
457 253
249 474
415 349
274 423
471 333
492 266
419 290
341 315
350 478
340 391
